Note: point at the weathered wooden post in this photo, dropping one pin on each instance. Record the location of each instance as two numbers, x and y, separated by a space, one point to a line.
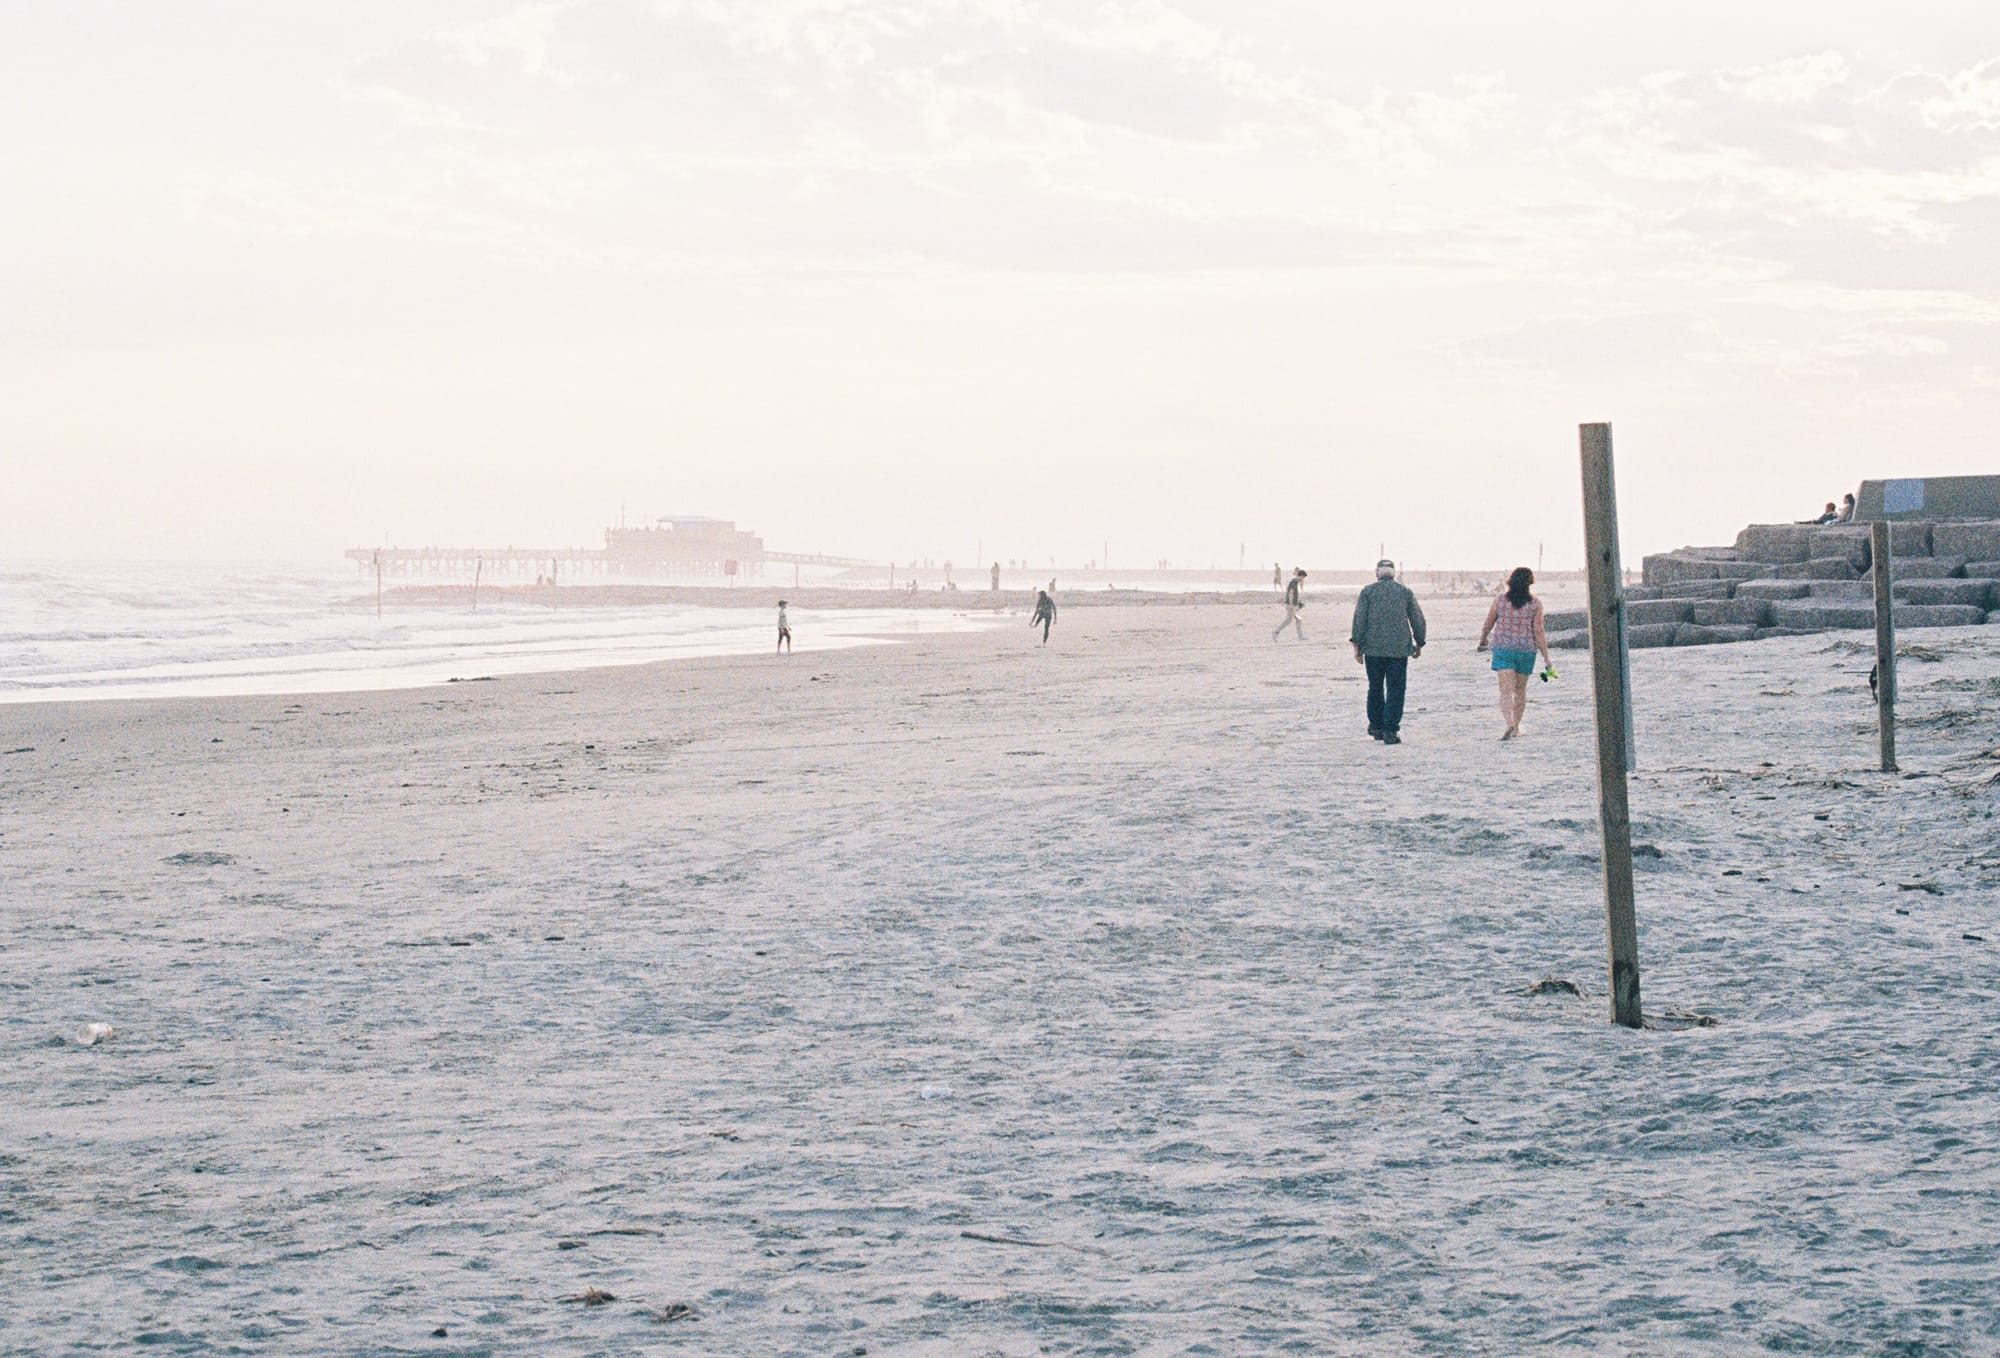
478 565
378 582
1885 642
1611 676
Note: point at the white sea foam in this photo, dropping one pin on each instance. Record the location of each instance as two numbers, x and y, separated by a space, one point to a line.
130 630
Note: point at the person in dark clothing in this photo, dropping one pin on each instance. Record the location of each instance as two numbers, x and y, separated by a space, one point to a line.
1294 601
1388 634
1045 614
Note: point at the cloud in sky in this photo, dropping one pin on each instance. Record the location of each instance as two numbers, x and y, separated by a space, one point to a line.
1791 82
518 38
704 248
1966 101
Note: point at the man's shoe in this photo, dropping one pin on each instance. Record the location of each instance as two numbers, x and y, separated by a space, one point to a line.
1391 738
1374 733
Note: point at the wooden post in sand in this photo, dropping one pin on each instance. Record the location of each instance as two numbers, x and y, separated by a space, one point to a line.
478 565
1612 679
378 582
1885 643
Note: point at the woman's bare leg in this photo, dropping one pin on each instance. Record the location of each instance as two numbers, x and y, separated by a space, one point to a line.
1513 701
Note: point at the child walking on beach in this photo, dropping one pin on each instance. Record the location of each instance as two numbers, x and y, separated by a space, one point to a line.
1514 624
1045 613
784 630
1294 601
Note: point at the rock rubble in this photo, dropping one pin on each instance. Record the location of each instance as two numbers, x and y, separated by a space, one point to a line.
1783 579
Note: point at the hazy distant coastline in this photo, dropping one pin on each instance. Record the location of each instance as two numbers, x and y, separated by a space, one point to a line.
1084 593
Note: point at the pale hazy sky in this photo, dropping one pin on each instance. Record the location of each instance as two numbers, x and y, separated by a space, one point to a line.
900 278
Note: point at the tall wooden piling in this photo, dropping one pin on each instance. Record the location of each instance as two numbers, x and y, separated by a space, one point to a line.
1885 643
1612 678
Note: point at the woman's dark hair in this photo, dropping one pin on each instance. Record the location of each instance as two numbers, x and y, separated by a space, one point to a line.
1517 586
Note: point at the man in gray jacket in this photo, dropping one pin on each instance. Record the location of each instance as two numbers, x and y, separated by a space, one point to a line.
1388 634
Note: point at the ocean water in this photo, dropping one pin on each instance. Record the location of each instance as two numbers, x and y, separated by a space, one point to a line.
136 630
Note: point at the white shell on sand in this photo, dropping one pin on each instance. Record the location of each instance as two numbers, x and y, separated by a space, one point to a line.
94 1033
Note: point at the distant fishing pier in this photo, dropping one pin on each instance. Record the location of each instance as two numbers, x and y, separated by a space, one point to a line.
681 548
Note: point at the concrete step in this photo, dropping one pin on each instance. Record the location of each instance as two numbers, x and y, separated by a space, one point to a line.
1751 612
1649 635
1977 541
1686 589
1774 589
1924 567
1835 614
1978 593
1819 568
1647 612
1694 634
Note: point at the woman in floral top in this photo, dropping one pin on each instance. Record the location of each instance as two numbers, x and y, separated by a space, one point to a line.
1514 625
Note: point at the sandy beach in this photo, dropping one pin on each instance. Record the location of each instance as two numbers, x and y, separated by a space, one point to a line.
966 996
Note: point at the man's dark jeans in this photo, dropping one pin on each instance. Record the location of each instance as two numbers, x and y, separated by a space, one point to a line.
1388 676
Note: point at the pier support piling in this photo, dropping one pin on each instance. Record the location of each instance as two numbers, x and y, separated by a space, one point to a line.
1885 643
1610 672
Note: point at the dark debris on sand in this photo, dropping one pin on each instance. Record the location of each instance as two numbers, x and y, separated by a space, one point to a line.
204 859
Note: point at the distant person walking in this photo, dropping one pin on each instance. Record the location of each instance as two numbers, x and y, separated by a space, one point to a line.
996 577
1514 624
1277 573
1388 634
784 630
1045 614
1295 600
